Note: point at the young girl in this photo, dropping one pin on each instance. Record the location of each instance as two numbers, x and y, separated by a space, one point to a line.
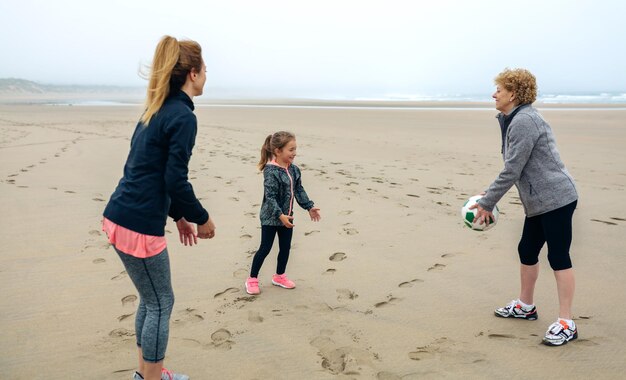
154 186
282 183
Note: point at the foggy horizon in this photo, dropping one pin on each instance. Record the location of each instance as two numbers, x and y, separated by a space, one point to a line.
348 48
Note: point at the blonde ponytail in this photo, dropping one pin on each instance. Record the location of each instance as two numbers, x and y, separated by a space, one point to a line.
172 61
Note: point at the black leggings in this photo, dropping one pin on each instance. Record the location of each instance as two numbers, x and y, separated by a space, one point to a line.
555 228
267 240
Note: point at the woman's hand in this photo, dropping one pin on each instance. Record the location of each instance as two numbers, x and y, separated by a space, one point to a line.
286 220
482 215
206 230
314 213
187 232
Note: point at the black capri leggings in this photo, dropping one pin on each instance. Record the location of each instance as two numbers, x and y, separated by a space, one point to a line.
267 240
555 228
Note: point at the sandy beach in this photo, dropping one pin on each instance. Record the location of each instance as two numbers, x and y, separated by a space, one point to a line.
390 284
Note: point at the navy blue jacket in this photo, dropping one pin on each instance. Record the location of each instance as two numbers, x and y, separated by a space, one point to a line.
155 182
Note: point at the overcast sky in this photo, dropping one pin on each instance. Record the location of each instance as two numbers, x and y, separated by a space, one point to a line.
324 47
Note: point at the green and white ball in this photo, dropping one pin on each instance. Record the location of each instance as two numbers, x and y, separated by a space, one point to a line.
469 215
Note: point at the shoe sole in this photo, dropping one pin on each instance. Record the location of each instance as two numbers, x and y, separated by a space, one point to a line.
252 294
281 285
548 343
533 318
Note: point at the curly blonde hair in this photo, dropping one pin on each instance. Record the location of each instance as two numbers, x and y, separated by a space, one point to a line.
520 82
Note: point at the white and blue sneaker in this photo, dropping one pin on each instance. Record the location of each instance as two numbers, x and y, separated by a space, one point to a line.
560 333
515 310
165 375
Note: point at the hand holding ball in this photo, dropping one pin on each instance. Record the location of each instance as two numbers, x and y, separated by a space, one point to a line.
468 215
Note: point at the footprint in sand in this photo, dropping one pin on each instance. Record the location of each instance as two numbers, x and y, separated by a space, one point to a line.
311 232
616 218
241 274
118 333
94 232
337 256
350 231
99 261
96 199
436 267
255 316
69 192
387 376
330 271
229 290
221 339
131 298
500 336
341 360
604 221
119 276
420 354
125 316
189 315
408 284
390 301
428 351
346 212
245 236
413 195
346 294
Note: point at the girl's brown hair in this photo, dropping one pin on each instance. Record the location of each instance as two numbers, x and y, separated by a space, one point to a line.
173 60
276 141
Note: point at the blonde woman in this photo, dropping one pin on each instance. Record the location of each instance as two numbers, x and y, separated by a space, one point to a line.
548 194
155 185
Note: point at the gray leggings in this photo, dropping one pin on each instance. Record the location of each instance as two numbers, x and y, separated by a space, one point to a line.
152 279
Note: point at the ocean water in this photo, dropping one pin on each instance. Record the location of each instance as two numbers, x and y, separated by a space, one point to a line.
576 98
618 98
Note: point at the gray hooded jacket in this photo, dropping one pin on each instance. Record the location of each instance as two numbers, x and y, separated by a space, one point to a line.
282 186
531 163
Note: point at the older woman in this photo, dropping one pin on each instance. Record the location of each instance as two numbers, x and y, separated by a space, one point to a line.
548 194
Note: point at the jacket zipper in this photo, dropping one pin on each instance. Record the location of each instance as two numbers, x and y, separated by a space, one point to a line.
290 188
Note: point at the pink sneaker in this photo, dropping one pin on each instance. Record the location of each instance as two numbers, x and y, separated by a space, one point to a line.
252 286
282 281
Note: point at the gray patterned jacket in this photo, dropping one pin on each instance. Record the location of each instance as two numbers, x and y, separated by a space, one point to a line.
531 163
281 187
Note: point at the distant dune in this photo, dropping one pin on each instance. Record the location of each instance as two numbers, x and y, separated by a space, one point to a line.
15 90
23 86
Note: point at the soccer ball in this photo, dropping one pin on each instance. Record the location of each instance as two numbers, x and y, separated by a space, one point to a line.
468 215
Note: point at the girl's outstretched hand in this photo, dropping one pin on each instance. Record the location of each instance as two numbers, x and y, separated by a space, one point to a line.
315 214
187 232
286 220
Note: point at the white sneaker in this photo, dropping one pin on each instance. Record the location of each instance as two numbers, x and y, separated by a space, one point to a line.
515 310
165 375
560 333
